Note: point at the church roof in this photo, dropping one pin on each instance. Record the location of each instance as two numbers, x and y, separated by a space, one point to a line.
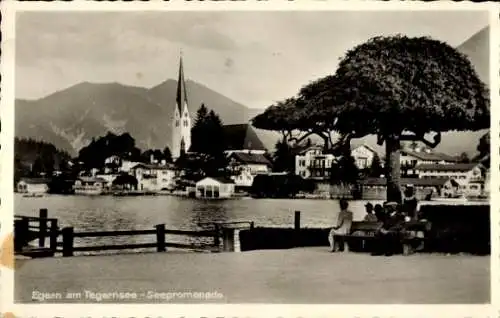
251 158
242 136
181 88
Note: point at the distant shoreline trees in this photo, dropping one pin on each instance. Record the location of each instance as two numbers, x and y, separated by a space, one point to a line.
34 158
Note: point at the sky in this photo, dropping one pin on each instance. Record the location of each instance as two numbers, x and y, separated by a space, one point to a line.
255 58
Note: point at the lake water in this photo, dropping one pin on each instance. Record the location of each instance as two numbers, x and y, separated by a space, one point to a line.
97 213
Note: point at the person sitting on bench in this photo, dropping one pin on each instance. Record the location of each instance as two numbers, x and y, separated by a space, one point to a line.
369 217
410 202
379 213
387 239
344 222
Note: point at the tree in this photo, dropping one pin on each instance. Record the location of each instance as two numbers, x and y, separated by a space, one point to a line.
344 170
376 167
464 158
167 155
299 117
208 141
397 88
123 146
283 157
401 88
483 147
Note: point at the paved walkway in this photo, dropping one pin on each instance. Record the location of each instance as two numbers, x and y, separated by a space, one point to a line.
308 275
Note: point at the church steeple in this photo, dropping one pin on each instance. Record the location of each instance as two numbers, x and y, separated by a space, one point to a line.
181 134
181 88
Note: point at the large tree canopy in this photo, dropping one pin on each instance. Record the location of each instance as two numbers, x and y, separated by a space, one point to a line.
393 85
309 113
401 88
397 88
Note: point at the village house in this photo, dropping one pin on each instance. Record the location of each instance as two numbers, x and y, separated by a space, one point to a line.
215 188
469 176
153 177
418 155
376 188
363 156
127 165
33 185
246 165
108 178
313 164
90 185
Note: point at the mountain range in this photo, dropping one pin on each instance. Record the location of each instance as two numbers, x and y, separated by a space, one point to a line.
70 118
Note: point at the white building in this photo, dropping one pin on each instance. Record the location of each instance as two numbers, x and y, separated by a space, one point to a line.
108 178
127 165
215 188
246 165
154 178
33 185
413 157
469 176
313 164
90 185
363 156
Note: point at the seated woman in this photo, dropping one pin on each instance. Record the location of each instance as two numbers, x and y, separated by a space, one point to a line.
343 226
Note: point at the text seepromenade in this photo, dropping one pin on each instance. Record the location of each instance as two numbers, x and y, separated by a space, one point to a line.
117 296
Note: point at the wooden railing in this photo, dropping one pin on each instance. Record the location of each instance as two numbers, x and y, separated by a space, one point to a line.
28 228
68 238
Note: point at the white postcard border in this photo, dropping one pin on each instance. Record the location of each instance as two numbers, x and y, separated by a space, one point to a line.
247 310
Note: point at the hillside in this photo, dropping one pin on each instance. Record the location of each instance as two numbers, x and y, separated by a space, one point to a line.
71 117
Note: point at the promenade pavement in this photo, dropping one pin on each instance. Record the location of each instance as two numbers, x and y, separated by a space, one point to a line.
302 275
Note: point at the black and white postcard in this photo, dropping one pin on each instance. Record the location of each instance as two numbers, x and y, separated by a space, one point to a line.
222 157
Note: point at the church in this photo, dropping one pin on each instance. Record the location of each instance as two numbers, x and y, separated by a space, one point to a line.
239 137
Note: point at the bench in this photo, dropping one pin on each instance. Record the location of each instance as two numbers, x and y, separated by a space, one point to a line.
413 236
361 232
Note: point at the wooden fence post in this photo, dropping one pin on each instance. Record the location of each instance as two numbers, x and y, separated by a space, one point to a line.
160 238
54 233
297 220
68 236
228 239
216 235
20 234
42 227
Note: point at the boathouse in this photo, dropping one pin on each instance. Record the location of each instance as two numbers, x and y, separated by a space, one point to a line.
33 185
89 185
214 188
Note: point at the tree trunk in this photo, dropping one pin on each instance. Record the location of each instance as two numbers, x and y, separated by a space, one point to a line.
393 168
